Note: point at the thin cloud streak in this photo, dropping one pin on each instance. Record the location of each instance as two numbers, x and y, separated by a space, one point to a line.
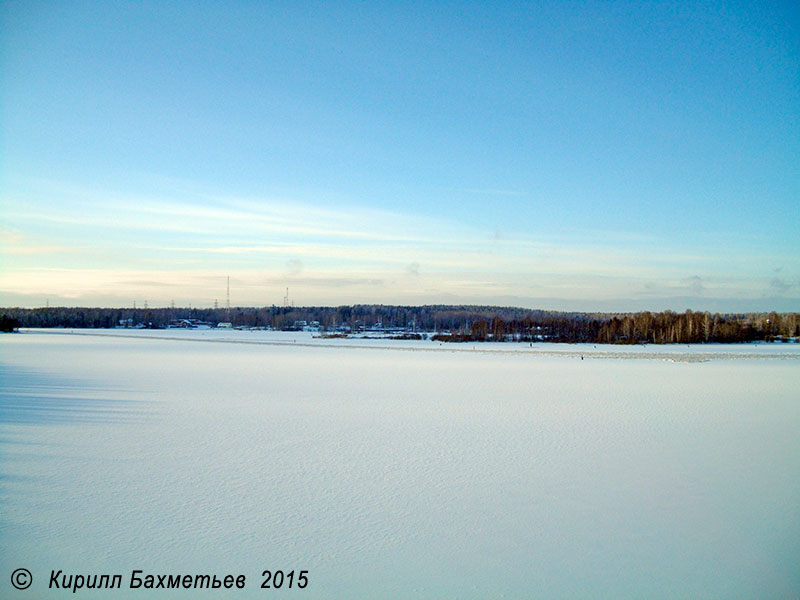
149 248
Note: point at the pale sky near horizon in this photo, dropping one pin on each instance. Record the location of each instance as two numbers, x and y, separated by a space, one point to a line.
561 155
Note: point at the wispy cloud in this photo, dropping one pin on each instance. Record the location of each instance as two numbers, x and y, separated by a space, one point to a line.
133 246
294 266
13 243
695 285
779 286
488 191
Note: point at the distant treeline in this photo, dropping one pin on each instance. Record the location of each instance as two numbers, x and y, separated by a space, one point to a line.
452 323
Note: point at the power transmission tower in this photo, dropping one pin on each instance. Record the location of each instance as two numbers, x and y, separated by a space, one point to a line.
228 298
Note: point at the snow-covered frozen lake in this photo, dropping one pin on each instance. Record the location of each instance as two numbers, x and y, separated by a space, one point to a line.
400 469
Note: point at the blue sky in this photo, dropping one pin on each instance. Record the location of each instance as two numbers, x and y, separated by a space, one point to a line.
590 156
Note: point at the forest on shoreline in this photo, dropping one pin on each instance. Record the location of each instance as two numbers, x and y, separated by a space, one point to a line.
448 323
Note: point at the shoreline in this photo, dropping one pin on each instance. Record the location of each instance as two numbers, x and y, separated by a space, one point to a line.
669 352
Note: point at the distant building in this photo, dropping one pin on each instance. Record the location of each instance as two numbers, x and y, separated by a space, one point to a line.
188 324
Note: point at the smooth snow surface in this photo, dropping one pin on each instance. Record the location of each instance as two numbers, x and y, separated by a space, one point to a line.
392 469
